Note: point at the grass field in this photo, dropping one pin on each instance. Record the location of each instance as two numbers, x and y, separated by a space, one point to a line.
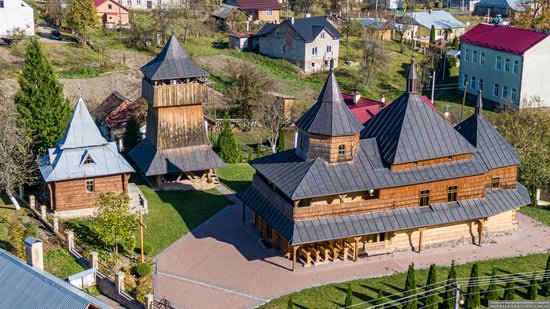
539 213
236 177
365 290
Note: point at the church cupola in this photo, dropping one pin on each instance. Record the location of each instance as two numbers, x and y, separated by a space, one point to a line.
328 130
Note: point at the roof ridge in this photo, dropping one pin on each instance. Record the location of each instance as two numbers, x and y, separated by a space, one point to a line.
311 163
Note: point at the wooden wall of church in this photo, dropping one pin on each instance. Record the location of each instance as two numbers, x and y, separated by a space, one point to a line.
181 126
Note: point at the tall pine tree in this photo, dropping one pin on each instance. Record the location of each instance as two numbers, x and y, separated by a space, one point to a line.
281 141
431 298
226 146
450 293
42 110
410 289
473 301
132 135
432 35
533 289
546 281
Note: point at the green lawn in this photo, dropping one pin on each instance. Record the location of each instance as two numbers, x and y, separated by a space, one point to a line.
364 290
538 213
236 177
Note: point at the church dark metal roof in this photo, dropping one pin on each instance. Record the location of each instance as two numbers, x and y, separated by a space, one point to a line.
171 161
330 115
172 63
338 227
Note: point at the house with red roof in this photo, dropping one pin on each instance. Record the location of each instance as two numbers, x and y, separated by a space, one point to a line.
111 13
509 65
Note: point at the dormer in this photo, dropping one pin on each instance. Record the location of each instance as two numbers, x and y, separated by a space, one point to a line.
328 130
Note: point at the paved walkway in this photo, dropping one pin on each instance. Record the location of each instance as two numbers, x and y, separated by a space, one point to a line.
222 264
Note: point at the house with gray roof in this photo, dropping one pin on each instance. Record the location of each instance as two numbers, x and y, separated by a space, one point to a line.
28 285
82 166
503 7
446 26
405 180
312 43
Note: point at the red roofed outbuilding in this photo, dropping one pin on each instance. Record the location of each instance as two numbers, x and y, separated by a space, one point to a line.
510 65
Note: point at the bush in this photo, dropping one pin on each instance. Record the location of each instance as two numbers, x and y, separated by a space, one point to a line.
142 269
146 249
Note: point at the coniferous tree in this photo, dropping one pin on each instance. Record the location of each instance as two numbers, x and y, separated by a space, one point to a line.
492 292
533 289
431 298
380 297
449 294
545 291
42 109
349 294
510 291
473 301
132 136
455 43
410 286
281 141
226 146
432 35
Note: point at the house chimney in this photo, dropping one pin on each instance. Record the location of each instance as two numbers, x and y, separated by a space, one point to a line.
356 96
308 15
35 252
382 98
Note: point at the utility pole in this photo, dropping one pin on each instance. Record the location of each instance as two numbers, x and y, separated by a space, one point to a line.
433 85
457 296
463 101
141 227
444 63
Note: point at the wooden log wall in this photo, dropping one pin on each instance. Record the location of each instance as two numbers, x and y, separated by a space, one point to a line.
72 195
397 167
327 147
180 94
180 127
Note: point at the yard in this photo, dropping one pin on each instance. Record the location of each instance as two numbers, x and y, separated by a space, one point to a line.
539 213
365 290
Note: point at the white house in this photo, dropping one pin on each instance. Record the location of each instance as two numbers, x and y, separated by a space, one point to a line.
15 14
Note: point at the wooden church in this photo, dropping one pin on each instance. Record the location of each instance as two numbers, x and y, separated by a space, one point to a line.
82 166
405 180
176 145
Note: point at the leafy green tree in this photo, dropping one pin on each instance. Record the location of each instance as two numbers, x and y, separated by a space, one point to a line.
132 135
431 298
492 292
510 291
16 232
349 295
43 112
259 150
113 223
473 300
226 146
432 35
380 297
281 141
250 154
82 17
545 291
410 289
449 294
533 290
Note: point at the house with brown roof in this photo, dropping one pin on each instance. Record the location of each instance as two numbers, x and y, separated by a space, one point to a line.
510 65
268 11
111 13
405 180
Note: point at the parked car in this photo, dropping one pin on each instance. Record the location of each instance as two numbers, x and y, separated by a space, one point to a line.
56 35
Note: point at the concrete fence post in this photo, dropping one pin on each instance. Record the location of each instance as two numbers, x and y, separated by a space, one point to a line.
21 192
70 239
55 224
120 281
32 202
43 212
94 260
149 301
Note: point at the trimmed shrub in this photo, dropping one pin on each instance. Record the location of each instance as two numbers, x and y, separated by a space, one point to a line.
142 269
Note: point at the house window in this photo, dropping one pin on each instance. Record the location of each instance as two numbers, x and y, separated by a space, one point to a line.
90 185
495 185
513 95
473 83
507 65
149 5
482 59
504 92
481 84
129 2
424 198
269 12
474 58
313 64
465 81
89 160
452 194
138 2
329 49
314 51
515 70
467 54
1 3
110 6
322 35
341 150
495 90
498 63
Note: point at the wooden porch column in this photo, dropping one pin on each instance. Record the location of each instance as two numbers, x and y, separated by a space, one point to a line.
244 212
480 223
294 252
356 248
158 181
420 239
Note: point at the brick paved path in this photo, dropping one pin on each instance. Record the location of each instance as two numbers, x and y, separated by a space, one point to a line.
222 264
